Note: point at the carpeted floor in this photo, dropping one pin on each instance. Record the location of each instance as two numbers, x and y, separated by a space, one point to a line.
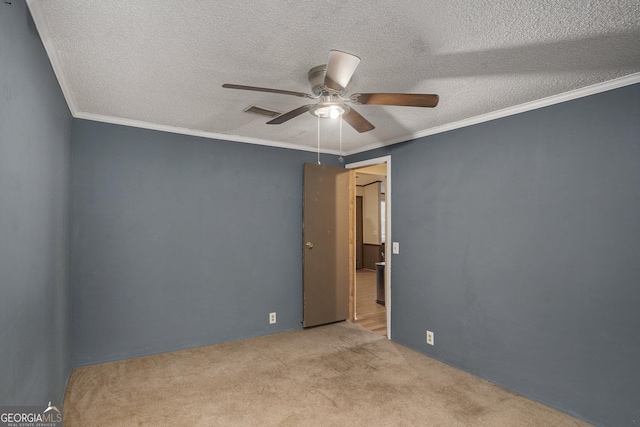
335 375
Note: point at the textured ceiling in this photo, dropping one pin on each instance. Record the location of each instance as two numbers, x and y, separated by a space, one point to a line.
161 64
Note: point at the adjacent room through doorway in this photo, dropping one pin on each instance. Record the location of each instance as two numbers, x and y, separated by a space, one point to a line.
371 290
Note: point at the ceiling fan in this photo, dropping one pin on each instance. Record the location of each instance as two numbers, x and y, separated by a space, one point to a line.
329 86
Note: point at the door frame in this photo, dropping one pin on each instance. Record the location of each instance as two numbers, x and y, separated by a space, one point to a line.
387 245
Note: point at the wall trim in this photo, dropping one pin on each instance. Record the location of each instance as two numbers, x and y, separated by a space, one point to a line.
45 35
528 106
195 132
517 109
371 183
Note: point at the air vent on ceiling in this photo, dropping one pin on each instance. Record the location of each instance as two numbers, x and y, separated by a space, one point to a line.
262 111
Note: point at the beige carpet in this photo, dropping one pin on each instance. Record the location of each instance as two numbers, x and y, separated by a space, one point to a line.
335 375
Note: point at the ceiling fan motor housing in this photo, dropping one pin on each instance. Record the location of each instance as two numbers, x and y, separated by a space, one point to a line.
316 77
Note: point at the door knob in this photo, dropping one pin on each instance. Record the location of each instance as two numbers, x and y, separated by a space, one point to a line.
309 245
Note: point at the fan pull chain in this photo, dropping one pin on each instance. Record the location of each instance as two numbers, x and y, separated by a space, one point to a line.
340 159
319 140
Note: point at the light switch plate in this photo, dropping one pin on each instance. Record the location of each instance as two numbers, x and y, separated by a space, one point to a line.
396 248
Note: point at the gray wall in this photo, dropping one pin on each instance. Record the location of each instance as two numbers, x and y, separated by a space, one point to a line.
34 220
520 250
181 241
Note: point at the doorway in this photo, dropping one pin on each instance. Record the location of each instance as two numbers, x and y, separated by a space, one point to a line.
372 285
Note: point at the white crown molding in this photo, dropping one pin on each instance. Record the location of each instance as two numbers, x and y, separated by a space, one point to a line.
193 132
528 106
45 35
533 105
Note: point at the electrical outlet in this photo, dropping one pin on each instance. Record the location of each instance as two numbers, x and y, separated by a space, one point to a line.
430 338
272 318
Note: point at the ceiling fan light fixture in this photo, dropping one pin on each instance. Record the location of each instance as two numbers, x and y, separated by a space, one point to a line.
329 111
